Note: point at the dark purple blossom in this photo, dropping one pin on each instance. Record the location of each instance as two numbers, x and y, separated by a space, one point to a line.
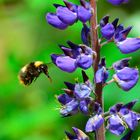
122 117
107 29
69 14
126 78
69 104
113 30
65 63
55 21
70 108
84 105
82 91
73 57
78 135
131 118
84 61
85 35
121 63
66 16
118 2
95 122
64 99
129 45
84 14
101 74
121 33
115 125
76 97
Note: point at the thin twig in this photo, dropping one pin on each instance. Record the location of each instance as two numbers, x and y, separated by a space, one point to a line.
106 42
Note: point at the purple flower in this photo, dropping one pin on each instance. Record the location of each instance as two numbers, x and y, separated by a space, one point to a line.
82 91
55 21
69 14
121 63
65 63
73 57
78 135
115 125
70 86
64 99
130 117
85 34
84 11
118 2
84 105
121 33
122 117
70 108
126 78
108 29
95 122
129 45
101 74
84 14
66 16
76 97
113 30
68 102
84 61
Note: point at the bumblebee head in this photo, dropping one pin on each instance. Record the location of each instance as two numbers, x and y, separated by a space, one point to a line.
44 69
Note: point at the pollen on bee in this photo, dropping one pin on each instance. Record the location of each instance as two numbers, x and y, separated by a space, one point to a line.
24 68
38 63
20 80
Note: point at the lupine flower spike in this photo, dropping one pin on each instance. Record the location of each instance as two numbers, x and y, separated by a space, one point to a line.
78 97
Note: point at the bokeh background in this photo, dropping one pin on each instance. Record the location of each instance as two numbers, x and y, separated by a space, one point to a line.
32 113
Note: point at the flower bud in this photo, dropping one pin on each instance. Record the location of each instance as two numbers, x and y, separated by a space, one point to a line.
129 45
82 91
66 16
115 125
121 63
126 78
70 108
84 14
65 63
55 21
94 123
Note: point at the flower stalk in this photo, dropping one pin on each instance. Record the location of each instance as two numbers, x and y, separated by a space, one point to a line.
100 133
76 97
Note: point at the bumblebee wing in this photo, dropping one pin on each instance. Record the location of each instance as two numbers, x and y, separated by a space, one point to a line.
50 64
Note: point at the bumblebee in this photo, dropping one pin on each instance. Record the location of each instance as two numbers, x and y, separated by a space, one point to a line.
31 72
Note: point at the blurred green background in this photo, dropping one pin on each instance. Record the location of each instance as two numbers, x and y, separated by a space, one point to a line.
31 113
